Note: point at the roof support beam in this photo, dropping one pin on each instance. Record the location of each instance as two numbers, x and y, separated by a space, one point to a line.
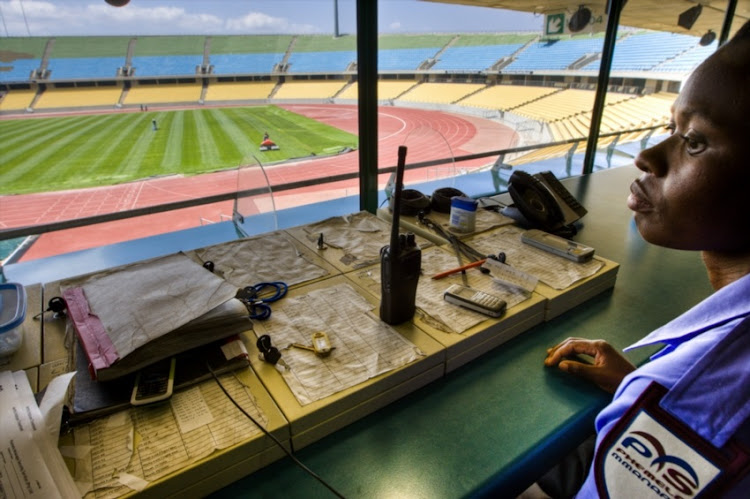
367 85
614 9
728 18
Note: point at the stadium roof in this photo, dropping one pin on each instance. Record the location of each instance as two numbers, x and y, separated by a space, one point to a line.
660 15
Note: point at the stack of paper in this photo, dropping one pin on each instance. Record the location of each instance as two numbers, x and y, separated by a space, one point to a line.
30 464
136 315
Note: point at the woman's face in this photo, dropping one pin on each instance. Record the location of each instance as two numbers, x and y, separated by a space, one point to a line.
694 192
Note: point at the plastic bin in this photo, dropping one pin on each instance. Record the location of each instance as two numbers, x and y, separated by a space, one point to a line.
12 315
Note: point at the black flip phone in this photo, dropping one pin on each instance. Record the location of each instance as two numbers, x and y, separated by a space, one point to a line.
400 263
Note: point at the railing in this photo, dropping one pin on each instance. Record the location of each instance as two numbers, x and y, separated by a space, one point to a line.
229 196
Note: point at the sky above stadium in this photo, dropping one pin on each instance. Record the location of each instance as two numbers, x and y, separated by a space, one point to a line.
194 17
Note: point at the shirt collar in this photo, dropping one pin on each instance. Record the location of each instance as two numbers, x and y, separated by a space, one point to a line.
726 304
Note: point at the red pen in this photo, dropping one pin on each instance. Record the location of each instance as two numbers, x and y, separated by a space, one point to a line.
459 269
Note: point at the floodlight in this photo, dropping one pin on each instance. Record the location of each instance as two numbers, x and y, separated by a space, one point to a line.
580 19
688 18
708 38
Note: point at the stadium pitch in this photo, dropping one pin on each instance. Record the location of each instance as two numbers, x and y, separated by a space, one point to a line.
58 153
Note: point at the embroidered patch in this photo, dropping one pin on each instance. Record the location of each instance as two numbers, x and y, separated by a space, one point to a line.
650 460
650 453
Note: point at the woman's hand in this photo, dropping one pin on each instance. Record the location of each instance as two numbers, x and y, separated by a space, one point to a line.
607 370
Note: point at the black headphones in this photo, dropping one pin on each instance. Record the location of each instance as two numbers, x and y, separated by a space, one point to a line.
412 202
441 199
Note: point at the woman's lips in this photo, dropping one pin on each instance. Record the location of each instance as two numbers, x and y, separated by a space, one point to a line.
638 201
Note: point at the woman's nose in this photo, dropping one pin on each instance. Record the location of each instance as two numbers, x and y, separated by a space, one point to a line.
653 159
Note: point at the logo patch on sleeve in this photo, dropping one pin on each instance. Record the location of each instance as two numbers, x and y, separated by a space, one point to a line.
649 460
651 454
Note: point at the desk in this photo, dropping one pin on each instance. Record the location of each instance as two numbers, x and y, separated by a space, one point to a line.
501 420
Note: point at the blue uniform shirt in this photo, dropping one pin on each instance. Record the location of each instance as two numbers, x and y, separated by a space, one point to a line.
694 338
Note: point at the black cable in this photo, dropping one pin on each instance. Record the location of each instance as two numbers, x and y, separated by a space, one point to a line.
272 437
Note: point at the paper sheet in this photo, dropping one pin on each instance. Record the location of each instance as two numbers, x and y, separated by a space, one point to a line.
271 257
555 271
485 220
431 305
360 235
364 345
488 219
143 444
30 464
161 295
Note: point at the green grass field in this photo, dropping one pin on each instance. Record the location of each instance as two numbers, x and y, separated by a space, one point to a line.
50 154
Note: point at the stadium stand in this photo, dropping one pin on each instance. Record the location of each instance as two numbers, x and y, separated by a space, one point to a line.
564 104
163 94
688 60
174 65
78 97
351 92
643 51
84 68
19 56
506 97
404 59
224 64
321 62
17 100
441 93
249 44
387 89
619 115
554 54
309 89
18 70
476 58
391 89
237 91
564 113
168 45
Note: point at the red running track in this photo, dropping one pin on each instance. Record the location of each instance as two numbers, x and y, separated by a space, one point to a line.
427 134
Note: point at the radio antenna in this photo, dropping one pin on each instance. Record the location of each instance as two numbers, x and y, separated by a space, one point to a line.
397 200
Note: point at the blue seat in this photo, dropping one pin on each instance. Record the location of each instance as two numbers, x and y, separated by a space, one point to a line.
245 63
476 58
20 69
404 59
643 52
321 62
173 65
84 67
555 54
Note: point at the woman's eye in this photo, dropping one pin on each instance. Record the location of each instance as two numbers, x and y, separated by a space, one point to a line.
694 145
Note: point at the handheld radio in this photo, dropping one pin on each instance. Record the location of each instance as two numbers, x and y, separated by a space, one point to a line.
400 262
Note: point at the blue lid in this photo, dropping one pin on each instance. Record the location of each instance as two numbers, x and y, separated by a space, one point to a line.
465 203
12 306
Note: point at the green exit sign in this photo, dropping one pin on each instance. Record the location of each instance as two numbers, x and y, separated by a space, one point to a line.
555 24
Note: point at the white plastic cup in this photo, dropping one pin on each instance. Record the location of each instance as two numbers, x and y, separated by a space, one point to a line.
463 216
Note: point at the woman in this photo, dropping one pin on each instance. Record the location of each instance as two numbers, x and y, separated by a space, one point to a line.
677 425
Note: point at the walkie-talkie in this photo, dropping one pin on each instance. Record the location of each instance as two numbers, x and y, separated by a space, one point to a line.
400 262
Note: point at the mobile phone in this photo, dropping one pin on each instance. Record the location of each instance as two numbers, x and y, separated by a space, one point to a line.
154 383
557 245
476 300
